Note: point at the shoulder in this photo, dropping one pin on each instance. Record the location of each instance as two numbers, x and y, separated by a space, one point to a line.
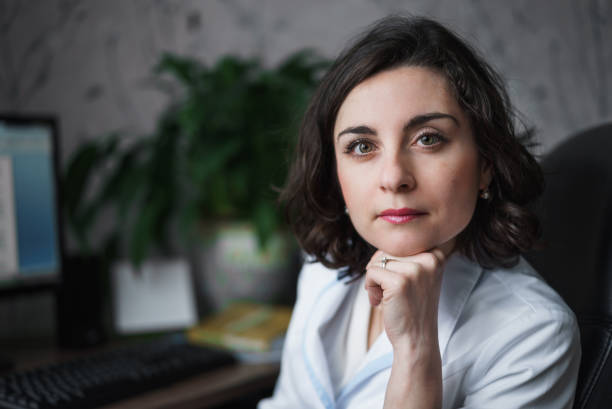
517 297
314 277
497 298
523 339
519 292
520 305
313 281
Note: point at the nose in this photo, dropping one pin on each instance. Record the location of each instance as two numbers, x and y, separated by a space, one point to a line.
396 175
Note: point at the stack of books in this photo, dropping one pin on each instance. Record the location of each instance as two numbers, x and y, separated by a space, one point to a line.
253 332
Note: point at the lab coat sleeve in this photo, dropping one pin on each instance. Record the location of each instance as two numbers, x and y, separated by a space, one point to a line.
532 363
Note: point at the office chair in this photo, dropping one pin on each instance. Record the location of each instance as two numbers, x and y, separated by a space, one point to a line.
576 212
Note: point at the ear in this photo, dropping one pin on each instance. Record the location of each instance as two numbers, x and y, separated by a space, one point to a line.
486 174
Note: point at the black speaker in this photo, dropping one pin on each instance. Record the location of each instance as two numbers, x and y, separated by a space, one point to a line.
82 298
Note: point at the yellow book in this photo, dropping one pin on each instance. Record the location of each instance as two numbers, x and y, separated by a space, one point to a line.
243 326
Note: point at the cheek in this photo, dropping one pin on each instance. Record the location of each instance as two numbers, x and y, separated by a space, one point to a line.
460 194
452 186
351 188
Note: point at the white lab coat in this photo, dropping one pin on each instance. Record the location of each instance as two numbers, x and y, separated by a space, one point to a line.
507 340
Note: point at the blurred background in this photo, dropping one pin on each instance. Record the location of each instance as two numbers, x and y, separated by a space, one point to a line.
91 64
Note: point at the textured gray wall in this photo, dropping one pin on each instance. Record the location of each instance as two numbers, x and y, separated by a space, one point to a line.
90 61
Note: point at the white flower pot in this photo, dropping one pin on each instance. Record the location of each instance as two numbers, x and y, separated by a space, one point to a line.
230 266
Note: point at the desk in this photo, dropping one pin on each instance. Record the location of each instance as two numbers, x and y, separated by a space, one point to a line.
210 390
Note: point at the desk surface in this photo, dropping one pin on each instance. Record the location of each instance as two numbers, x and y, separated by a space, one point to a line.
208 390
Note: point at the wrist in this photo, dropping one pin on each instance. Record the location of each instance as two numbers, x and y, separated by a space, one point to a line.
416 380
422 360
422 346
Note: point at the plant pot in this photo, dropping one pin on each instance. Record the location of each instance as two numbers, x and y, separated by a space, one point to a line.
229 266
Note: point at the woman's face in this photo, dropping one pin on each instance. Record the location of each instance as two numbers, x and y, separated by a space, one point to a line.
407 161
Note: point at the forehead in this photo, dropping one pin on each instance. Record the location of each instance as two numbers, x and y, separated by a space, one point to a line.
405 91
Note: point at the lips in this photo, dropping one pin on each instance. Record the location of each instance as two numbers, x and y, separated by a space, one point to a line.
400 216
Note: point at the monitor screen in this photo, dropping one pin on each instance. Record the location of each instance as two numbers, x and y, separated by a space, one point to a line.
30 251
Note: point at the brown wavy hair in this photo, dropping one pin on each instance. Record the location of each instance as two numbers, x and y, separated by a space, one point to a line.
500 229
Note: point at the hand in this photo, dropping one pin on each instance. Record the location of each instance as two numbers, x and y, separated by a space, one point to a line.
408 290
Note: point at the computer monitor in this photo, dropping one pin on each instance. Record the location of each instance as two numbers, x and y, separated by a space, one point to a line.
30 227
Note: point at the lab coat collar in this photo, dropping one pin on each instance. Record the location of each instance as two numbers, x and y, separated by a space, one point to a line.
458 281
326 306
459 278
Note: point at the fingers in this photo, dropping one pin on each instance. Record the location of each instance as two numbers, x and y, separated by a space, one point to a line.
375 292
401 272
439 254
432 259
377 281
375 259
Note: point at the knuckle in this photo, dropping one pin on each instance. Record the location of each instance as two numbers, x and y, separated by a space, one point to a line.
431 259
416 269
402 282
440 256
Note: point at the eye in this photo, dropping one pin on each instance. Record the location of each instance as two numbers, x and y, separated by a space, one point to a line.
360 147
430 139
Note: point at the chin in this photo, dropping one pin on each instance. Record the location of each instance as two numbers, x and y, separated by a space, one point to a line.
404 249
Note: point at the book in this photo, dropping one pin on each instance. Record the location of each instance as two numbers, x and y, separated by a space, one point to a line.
244 327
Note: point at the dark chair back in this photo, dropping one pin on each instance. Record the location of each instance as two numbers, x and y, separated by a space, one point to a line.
576 212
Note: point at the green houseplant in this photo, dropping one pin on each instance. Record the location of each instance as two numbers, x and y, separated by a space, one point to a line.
218 150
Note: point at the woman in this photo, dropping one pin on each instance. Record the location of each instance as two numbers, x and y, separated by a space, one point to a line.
409 193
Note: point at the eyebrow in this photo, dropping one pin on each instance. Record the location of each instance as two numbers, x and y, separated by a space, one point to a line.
414 121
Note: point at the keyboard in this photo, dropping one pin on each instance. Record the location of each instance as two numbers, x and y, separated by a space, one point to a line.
108 376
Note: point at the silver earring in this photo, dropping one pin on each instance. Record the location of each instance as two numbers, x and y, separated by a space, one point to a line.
346 210
485 194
